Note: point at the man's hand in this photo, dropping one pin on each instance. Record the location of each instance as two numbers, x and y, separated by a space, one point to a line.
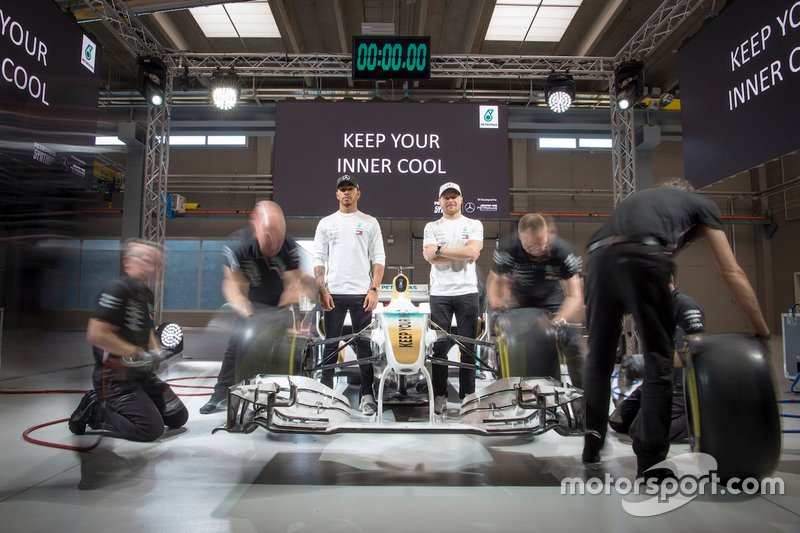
147 360
560 328
325 299
370 300
498 304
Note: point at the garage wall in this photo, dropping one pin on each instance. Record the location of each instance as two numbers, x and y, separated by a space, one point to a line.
769 263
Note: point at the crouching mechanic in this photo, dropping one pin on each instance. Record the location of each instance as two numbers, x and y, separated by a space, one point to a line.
261 272
128 399
527 271
689 319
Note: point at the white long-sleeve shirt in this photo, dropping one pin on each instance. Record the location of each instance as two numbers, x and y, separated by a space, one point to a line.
347 244
454 278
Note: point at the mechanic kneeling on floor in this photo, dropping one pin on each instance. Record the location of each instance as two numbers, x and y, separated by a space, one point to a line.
689 319
128 399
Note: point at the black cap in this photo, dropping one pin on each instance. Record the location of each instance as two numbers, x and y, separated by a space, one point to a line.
347 179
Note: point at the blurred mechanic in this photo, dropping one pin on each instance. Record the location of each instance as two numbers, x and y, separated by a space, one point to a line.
689 319
630 264
451 245
261 271
128 399
349 261
527 271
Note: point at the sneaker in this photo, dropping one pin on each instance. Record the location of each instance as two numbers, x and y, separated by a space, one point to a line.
368 406
84 413
439 404
213 403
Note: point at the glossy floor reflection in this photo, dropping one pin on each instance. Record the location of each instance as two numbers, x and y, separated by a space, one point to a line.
191 480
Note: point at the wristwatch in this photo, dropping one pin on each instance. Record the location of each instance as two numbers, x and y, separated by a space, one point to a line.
438 252
374 289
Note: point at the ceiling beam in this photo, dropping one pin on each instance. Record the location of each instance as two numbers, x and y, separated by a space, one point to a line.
340 30
282 18
475 37
422 18
601 25
171 31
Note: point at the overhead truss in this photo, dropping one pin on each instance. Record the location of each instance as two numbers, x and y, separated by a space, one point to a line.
658 28
340 66
133 35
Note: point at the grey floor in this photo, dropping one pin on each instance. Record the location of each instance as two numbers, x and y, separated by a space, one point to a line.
191 480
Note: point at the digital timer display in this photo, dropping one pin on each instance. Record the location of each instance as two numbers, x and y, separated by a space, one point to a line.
391 58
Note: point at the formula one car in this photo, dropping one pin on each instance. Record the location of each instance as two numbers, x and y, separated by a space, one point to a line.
520 397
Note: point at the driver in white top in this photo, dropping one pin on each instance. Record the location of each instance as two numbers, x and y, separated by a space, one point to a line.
451 245
348 266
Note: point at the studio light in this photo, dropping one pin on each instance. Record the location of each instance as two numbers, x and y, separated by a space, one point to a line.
559 91
665 100
225 89
152 80
171 337
629 83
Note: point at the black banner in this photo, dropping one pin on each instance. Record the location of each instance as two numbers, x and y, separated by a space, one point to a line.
48 96
400 153
740 82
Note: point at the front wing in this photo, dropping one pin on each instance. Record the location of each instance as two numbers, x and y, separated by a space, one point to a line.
298 404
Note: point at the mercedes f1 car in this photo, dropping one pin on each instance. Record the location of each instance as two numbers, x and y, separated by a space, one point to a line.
730 395
521 395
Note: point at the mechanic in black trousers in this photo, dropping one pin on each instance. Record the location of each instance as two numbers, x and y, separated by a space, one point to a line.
527 272
128 399
262 271
689 319
630 263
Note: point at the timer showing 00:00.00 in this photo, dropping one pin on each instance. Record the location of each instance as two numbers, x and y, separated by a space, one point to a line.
391 58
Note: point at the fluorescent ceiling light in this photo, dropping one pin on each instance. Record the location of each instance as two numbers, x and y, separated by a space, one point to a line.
550 23
509 23
239 19
556 142
227 140
594 143
542 20
108 141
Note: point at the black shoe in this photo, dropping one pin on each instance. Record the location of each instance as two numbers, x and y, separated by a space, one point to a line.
659 475
84 413
214 403
590 458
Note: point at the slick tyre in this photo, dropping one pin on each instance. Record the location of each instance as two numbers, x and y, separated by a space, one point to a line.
525 344
269 348
731 405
